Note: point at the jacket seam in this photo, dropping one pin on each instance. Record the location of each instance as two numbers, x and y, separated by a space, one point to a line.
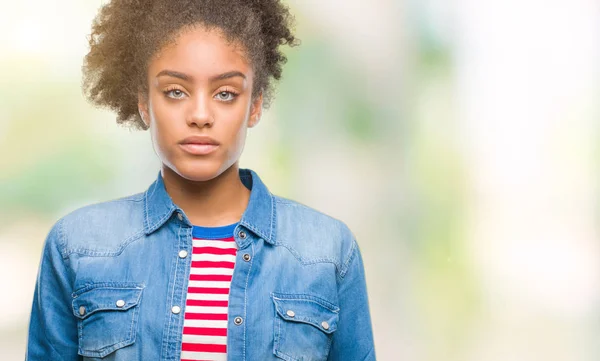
273 218
115 253
160 222
280 296
59 227
255 230
174 320
246 301
146 212
107 285
146 196
305 262
349 259
61 242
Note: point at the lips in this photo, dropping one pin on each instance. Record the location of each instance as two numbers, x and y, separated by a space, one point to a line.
199 145
199 139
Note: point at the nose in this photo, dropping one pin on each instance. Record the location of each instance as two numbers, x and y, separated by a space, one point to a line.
200 114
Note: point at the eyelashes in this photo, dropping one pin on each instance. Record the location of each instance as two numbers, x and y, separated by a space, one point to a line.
174 93
226 95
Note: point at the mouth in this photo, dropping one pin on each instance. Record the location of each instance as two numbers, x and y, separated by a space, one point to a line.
199 145
198 149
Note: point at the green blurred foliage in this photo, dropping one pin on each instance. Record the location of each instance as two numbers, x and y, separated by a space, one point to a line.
52 158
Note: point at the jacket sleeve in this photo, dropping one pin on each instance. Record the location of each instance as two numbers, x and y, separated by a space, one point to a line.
353 339
52 326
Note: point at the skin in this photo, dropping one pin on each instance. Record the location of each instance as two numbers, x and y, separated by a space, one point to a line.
214 99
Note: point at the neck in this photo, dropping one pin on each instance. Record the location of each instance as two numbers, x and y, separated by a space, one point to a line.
216 202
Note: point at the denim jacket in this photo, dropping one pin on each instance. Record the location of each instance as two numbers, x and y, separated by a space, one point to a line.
290 257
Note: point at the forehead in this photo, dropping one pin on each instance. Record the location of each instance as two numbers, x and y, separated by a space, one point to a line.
200 52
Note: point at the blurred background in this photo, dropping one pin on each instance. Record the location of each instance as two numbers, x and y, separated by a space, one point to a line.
458 139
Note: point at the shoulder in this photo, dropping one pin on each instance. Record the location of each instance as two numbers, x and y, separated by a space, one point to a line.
313 236
102 228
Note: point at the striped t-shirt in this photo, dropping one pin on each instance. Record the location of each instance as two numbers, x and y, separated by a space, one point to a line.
205 322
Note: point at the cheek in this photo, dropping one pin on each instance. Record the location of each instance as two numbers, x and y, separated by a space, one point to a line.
161 108
239 138
162 125
238 124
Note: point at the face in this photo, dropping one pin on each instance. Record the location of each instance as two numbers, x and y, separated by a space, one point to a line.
199 104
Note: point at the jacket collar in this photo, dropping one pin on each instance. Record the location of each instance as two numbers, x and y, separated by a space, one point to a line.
259 216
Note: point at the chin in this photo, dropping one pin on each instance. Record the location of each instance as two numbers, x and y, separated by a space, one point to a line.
199 171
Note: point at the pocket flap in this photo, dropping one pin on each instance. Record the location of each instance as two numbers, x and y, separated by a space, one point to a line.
102 298
307 309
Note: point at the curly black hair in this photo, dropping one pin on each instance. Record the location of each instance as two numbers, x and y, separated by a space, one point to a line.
126 33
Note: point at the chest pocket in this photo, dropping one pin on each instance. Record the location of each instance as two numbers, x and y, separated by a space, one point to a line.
107 317
303 327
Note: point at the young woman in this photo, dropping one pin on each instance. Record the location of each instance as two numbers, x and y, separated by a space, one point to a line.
206 264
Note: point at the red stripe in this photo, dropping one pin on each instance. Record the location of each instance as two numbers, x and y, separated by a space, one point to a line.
213 290
207 303
208 291
206 316
199 347
226 278
205 331
214 250
213 264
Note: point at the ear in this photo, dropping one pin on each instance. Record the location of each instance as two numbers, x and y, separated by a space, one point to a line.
255 111
143 108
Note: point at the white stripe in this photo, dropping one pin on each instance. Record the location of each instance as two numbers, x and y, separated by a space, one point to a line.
215 284
205 323
213 257
207 297
203 356
214 340
205 309
216 244
211 271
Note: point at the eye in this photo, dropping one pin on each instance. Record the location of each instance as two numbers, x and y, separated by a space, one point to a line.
174 93
225 96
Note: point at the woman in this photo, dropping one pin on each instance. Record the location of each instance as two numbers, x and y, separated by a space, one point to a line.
206 264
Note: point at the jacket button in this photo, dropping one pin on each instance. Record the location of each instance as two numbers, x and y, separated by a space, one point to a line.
242 234
290 313
246 257
325 325
183 253
238 320
180 216
175 309
120 303
82 310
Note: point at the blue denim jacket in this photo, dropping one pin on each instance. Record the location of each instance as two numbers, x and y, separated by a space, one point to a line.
290 257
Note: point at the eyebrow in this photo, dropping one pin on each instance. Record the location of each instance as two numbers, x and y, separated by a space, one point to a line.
183 76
